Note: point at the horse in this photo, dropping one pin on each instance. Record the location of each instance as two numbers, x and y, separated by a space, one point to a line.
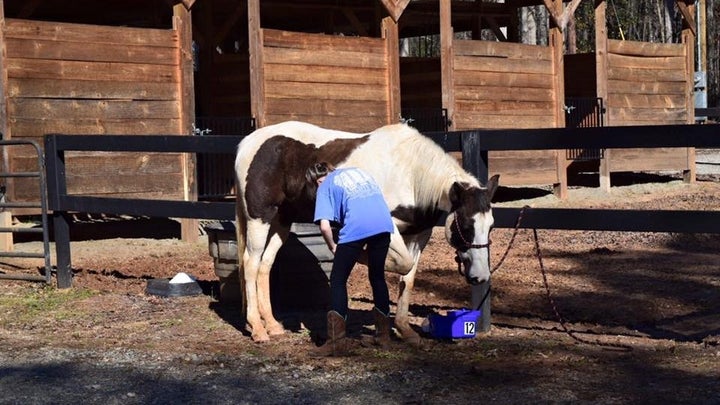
420 183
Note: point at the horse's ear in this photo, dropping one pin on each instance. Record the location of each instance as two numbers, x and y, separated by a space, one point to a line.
455 192
492 186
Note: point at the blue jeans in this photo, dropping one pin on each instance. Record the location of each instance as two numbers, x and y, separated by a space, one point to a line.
346 255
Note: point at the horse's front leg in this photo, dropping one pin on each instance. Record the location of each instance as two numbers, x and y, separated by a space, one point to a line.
279 235
402 316
406 255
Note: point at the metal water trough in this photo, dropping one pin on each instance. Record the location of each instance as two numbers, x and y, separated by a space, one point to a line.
305 249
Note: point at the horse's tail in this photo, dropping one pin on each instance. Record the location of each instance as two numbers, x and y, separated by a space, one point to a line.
240 228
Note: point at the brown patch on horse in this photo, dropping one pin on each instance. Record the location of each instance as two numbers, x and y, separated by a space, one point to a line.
276 177
416 219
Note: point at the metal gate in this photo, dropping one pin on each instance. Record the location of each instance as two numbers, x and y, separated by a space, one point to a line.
584 113
42 204
215 173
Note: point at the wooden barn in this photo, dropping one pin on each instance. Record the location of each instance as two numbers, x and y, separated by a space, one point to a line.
74 68
489 84
641 84
179 67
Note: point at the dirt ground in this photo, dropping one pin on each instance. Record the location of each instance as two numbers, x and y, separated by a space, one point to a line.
642 311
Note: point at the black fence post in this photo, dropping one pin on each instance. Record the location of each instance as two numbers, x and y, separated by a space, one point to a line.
475 161
61 224
57 189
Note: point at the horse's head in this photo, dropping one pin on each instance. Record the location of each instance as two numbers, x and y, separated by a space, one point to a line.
468 226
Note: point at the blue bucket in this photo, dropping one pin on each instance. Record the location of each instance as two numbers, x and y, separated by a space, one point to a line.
458 324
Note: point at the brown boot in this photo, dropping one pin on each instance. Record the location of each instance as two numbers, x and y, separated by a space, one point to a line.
337 344
382 329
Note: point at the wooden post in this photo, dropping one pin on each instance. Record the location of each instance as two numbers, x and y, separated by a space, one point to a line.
556 42
182 23
688 40
475 162
601 78
257 76
392 45
446 61
6 238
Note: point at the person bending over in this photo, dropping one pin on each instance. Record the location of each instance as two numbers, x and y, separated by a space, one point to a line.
351 199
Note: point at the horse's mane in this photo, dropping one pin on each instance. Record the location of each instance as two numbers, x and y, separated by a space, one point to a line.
430 166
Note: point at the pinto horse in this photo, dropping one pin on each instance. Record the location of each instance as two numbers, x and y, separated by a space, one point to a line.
419 181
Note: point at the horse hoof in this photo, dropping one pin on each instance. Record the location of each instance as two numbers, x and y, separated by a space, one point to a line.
276 330
260 337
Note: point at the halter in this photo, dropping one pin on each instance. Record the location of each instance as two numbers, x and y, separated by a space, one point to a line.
467 245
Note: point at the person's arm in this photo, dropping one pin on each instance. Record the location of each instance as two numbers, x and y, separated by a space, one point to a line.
327 234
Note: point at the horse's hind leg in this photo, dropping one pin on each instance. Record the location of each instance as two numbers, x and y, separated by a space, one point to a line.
257 232
278 236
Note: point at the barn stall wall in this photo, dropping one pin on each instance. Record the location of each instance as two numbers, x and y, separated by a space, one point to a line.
339 82
87 79
647 84
506 85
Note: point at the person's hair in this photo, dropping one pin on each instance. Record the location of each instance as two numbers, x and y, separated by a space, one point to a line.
317 170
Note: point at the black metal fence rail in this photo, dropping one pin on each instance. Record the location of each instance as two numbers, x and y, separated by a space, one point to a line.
474 146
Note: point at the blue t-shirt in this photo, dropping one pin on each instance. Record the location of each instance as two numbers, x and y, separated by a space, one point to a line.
351 198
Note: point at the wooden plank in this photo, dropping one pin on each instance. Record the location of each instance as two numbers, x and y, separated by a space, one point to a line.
649 159
465 120
502 65
325 74
502 107
98 109
325 57
111 164
523 167
334 107
72 70
320 42
81 51
639 75
651 88
503 79
36 127
499 79
645 62
88 34
87 89
353 124
616 100
162 186
659 116
644 48
502 93
502 50
339 91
